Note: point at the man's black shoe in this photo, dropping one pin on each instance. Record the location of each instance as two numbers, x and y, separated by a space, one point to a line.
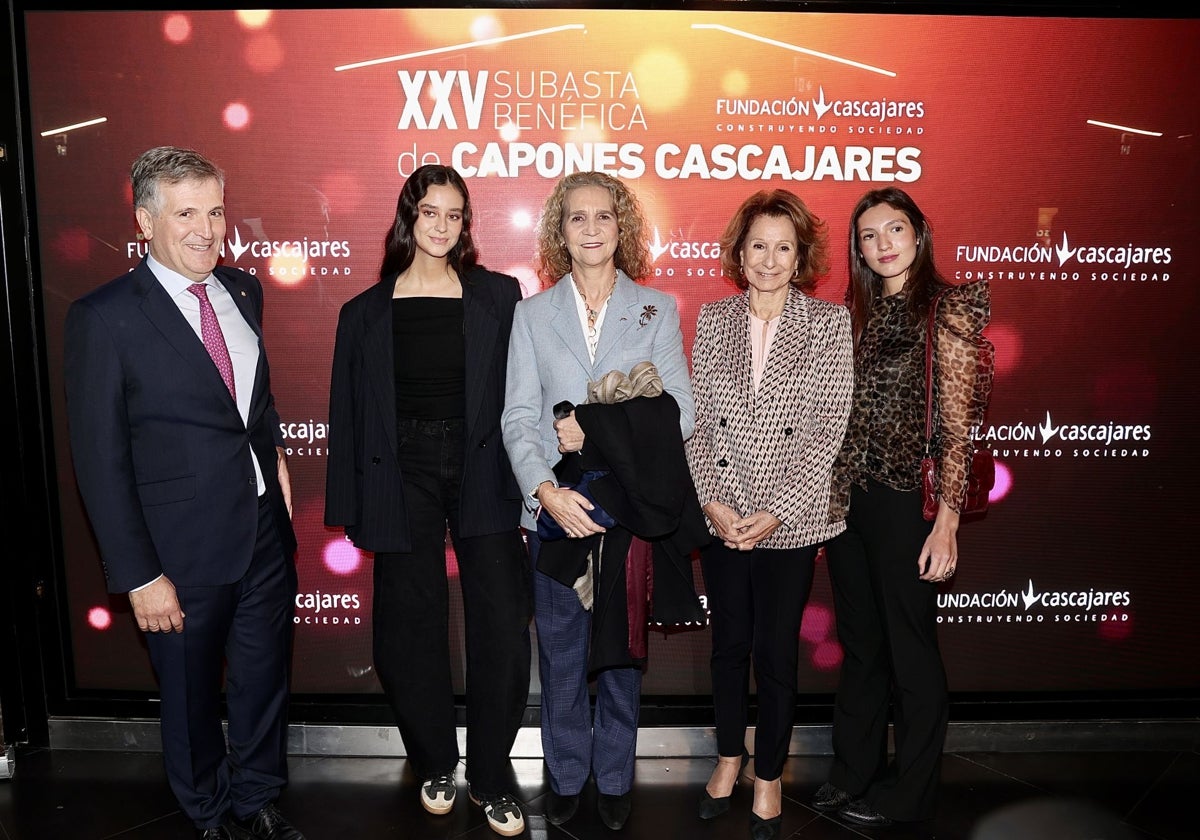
614 809
228 831
269 824
829 798
560 808
859 812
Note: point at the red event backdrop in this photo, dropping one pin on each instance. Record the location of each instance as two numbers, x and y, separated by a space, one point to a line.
1055 157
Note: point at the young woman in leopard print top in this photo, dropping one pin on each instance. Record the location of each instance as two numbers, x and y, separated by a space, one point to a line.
886 565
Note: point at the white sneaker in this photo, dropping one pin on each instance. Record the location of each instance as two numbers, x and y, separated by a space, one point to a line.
437 794
503 814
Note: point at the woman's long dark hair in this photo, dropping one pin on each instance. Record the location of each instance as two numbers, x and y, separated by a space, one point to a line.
865 286
399 246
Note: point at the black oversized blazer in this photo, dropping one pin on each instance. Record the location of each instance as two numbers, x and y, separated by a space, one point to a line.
364 493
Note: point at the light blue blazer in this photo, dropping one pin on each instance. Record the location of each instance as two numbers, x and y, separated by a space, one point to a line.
548 363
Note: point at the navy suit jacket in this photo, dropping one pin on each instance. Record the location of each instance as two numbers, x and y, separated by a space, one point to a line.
162 456
364 490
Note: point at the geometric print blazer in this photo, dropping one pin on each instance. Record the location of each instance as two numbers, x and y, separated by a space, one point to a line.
773 449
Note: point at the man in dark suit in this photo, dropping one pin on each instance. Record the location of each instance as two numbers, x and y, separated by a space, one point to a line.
176 445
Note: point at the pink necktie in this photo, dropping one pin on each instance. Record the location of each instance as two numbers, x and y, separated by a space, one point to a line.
210 332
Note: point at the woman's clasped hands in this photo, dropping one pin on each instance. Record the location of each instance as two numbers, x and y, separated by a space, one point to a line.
738 532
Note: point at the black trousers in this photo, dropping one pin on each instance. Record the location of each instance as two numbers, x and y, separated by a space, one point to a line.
887 626
244 628
756 600
411 617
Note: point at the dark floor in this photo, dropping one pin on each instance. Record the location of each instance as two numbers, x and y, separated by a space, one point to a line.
65 795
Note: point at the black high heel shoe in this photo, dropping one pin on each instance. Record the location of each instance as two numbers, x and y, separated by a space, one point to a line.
715 806
761 829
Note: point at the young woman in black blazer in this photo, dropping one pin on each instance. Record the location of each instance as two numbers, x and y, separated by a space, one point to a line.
414 407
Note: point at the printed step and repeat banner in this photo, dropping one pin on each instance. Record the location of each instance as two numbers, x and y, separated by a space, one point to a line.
1056 157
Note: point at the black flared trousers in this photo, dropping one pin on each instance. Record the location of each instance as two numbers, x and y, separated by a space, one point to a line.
887 626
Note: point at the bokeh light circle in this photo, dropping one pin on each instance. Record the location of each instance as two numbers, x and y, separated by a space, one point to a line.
1010 347
1004 483
263 53
827 656
253 18
288 270
663 79
99 618
1117 626
177 29
341 557
817 624
735 82
509 132
236 116
486 27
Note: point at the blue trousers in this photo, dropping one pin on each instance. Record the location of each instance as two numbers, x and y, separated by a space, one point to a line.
574 741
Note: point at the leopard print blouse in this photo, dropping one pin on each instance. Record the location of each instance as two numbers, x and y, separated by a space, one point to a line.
886 436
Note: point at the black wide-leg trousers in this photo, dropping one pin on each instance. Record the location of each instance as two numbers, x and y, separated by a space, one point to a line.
887 626
411 617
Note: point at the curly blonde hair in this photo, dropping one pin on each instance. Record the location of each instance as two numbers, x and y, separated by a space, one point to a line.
633 254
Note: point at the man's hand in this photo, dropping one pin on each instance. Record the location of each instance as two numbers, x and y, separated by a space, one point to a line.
156 608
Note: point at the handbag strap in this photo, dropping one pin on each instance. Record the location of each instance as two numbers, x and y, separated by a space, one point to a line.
929 328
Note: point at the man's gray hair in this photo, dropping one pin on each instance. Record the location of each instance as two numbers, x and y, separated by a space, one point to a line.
168 165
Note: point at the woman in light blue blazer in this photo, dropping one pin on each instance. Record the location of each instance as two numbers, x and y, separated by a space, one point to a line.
592 319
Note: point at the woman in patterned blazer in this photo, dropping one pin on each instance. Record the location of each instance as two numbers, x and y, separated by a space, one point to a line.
772 379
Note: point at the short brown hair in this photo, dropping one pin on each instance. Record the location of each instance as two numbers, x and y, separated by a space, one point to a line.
811 247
